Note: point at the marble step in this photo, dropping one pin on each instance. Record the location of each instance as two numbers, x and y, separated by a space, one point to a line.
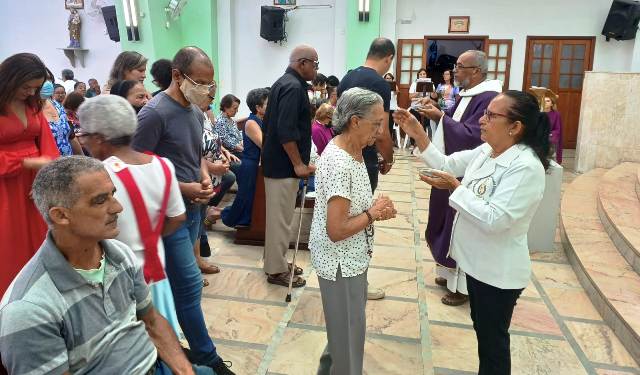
619 210
612 285
638 182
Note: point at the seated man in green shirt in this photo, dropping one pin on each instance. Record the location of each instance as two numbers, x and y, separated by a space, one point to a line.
81 304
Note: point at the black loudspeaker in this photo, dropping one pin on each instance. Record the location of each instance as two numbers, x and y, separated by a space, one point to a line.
272 23
622 21
111 21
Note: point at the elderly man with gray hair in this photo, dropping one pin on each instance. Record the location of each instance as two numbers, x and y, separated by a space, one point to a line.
81 304
458 129
286 152
341 239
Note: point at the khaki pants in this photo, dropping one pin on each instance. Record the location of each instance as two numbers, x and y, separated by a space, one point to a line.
280 194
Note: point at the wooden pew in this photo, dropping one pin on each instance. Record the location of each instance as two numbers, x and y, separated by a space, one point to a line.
254 233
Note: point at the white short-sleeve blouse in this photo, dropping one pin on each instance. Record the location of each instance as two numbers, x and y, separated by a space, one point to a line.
339 174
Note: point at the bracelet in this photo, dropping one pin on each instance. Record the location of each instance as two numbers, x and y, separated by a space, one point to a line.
366 212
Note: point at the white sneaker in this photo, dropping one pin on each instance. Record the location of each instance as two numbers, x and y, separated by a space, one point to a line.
374 293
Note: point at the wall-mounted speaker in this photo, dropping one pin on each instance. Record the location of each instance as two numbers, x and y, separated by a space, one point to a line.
110 19
272 23
622 21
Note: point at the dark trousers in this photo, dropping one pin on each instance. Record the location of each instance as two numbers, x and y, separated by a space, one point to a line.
491 311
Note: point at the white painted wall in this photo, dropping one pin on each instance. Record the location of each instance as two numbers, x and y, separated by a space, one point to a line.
515 19
252 62
40 27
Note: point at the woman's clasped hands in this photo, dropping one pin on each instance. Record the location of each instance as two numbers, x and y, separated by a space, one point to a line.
382 209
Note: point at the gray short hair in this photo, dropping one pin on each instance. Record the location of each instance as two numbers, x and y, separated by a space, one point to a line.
353 102
55 183
109 115
480 60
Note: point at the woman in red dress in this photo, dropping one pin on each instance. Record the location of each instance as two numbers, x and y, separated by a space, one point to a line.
26 144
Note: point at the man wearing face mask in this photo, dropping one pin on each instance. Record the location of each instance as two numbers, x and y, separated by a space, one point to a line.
171 125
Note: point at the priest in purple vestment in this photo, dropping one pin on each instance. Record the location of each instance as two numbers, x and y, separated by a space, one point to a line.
556 126
458 129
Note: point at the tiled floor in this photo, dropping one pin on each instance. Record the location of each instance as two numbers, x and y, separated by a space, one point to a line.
555 329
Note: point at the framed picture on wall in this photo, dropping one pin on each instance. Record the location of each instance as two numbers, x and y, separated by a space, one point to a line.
459 24
284 2
73 4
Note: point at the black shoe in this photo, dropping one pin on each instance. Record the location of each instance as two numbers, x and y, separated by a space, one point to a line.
223 368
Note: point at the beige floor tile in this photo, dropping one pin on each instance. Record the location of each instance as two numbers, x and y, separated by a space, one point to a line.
244 283
395 196
393 237
555 275
535 317
394 283
438 311
245 361
298 352
614 372
309 310
401 186
574 303
241 321
454 348
395 318
553 256
533 356
394 257
600 344
401 221
391 357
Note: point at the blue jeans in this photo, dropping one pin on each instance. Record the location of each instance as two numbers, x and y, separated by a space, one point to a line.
186 285
163 369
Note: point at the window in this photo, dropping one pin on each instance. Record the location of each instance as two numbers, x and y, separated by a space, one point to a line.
499 60
409 60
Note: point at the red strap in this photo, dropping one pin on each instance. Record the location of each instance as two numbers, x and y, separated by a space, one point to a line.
153 270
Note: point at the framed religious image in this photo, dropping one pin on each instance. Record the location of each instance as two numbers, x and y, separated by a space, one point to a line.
73 4
459 24
284 2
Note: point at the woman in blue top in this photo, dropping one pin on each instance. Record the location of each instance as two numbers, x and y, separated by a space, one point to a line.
58 123
239 213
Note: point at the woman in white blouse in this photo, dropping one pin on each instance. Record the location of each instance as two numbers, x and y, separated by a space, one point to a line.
341 239
503 183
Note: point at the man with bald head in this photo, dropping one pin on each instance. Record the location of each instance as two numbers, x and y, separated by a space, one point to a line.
171 125
285 159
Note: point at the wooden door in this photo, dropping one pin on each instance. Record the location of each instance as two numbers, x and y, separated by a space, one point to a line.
559 64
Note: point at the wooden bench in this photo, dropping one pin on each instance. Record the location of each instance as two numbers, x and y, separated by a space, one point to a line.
254 234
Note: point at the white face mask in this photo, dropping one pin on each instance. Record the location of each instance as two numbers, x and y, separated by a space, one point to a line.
197 95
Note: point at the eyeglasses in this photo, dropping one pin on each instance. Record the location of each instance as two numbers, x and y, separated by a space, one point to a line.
209 86
316 63
492 115
460 66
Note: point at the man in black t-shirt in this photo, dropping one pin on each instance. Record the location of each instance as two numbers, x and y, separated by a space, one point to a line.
369 76
285 159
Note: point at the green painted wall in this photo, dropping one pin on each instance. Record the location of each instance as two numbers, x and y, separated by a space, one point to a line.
197 26
361 34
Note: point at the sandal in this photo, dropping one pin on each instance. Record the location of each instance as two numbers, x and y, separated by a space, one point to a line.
297 272
208 268
283 280
441 281
454 299
213 214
